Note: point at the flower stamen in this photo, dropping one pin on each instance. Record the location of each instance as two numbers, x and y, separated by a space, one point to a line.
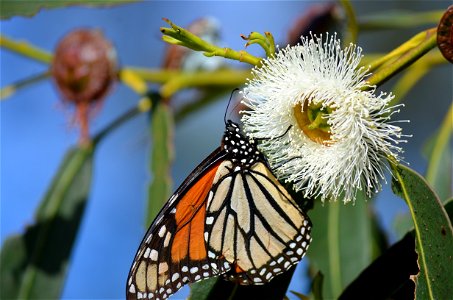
312 120
340 135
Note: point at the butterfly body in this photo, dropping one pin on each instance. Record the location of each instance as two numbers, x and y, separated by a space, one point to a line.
230 217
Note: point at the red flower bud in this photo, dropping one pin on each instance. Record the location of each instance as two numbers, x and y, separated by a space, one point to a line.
84 69
445 34
84 66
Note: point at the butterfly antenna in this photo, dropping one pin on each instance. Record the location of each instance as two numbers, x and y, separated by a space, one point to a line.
229 101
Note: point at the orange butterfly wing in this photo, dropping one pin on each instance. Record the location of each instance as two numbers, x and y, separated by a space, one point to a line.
174 251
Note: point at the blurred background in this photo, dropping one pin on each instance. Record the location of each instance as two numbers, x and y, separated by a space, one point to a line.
36 127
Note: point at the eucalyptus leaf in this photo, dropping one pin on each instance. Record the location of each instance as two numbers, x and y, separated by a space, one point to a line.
433 232
344 243
220 289
449 208
389 276
26 8
316 286
299 296
34 264
161 158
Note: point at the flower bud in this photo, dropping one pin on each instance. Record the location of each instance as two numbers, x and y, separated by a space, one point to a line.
84 69
445 34
84 66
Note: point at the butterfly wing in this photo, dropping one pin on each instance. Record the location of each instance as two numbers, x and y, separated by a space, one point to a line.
231 216
254 223
173 251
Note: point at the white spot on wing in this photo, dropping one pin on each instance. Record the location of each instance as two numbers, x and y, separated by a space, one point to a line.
147 251
175 277
162 231
154 254
210 195
167 239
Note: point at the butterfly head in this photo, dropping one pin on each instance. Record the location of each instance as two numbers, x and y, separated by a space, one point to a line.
243 152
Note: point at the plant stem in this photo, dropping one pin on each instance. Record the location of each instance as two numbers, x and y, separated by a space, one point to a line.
399 19
351 21
26 49
410 51
173 80
144 105
9 90
179 36
221 78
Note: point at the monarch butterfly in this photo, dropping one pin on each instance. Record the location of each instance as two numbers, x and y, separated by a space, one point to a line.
230 217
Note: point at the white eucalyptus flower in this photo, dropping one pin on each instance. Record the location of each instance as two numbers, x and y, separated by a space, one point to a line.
339 135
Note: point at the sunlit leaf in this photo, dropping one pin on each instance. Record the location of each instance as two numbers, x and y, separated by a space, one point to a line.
161 159
34 264
11 8
433 232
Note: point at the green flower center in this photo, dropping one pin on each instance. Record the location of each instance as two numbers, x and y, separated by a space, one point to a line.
312 120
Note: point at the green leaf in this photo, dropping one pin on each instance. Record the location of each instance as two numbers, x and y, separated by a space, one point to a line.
402 224
389 276
316 286
433 231
299 296
449 208
34 264
161 159
344 243
439 152
201 290
26 8
219 289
